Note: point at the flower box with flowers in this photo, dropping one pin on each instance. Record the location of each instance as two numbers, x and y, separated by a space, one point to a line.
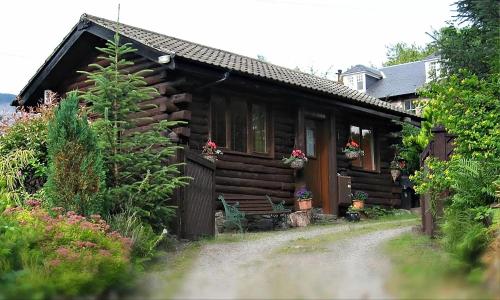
296 160
352 150
210 151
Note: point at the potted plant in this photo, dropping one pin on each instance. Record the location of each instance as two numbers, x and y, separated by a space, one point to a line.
352 150
358 199
353 214
296 160
303 199
210 151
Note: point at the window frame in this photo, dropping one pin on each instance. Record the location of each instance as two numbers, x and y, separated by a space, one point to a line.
376 146
250 147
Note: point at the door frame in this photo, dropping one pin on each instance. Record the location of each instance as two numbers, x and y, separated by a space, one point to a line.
329 136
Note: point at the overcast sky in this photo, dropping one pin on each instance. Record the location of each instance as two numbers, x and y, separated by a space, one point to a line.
303 33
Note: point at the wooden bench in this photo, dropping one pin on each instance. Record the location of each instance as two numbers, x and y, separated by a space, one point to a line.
237 207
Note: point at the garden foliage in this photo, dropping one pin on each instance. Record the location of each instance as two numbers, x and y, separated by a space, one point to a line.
61 254
75 174
465 100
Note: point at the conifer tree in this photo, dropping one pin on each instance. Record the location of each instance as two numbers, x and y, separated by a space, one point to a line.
139 174
75 175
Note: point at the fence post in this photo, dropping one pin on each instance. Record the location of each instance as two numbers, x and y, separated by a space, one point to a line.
439 147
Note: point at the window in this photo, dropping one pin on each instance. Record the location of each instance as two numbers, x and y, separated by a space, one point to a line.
433 70
409 105
219 121
259 130
360 82
310 139
238 118
364 137
350 82
240 125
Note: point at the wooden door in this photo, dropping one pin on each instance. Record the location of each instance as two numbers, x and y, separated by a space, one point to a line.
316 170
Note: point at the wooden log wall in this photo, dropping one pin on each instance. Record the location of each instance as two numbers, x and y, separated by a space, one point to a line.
171 104
379 185
247 175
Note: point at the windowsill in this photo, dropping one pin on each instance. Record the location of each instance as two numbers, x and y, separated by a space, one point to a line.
260 155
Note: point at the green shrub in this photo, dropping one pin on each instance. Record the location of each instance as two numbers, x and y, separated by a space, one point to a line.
143 238
138 165
43 256
75 176
463 236
28 131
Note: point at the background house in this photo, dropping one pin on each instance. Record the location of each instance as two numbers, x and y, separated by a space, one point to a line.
397 84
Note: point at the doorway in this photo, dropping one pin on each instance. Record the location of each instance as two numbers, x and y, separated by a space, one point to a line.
316 170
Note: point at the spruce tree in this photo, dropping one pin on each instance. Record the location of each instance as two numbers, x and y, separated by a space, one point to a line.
75 175
139 174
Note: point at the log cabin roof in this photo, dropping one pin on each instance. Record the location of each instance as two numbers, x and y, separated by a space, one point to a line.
231 61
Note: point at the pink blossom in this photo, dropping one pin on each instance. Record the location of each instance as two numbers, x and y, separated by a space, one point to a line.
55 262
32 202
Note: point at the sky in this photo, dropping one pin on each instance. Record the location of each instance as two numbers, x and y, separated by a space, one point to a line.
323 34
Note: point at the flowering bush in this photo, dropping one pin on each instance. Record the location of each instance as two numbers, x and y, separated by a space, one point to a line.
210 148
296 154
303 194
46 254
352 146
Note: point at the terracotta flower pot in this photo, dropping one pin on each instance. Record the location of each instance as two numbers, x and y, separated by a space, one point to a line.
358 204
304 204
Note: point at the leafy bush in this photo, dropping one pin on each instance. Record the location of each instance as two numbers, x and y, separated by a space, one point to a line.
28 131
42 256
143 238
75 174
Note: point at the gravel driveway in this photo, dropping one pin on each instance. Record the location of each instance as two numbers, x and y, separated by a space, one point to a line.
349 268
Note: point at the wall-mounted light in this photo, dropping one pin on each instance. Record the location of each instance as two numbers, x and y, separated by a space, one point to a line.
164 59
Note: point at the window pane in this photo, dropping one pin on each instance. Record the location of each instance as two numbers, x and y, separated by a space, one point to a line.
367 145
259 118
310 141
359 82
355 136
219 121
239 126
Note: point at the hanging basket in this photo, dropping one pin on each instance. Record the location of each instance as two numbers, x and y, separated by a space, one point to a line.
395 174
352 155
297 164
211 158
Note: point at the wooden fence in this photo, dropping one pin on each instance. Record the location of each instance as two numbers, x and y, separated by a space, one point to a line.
441 147
196 205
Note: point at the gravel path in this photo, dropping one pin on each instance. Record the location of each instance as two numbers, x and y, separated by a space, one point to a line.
351 268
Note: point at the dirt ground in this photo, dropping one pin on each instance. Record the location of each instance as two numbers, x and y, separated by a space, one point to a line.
352 267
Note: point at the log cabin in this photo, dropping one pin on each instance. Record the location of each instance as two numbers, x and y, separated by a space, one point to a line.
257 112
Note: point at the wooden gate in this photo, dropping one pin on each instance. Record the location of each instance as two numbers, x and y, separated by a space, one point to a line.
197 205
441 147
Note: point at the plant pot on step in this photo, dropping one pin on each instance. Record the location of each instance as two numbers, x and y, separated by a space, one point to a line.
303 204
358 204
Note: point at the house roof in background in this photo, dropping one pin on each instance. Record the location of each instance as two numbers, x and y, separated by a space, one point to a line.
399 80
396 80
234 62
362 69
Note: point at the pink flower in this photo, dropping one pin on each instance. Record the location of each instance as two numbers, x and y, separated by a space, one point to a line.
104 252
55 262
32 202
63 251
